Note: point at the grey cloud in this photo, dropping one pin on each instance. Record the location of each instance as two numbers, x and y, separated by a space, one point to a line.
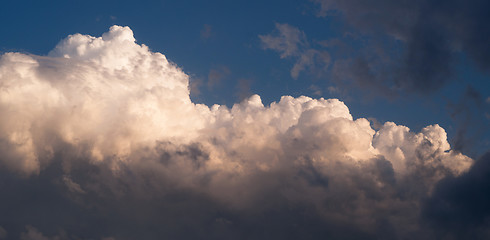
286 39
217 75
33 234
313 60
244 88
206 31
458 208
195 84
469 114
3 233
290 42
357 72
432 33
146 199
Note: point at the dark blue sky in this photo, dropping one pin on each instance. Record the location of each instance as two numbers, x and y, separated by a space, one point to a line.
220 40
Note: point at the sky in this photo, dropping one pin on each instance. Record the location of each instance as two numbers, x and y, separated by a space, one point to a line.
244 119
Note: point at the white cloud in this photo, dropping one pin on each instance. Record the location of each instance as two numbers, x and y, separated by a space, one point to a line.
107 94
112 102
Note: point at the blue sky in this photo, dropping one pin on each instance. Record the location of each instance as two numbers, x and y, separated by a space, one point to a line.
414 63
174 28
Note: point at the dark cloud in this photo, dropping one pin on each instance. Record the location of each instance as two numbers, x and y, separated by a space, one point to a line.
142 201
469 113
458 207
431 34
3 233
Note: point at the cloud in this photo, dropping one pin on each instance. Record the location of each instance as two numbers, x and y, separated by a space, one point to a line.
420 40
33 234
217 75
243 90
206 31
312 60
100 138
469 113
289 41
3 233
459 206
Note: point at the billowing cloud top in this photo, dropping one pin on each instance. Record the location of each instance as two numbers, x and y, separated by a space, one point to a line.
110 104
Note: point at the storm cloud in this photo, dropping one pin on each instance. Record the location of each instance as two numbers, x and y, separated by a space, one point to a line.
410 45
459 206
100 140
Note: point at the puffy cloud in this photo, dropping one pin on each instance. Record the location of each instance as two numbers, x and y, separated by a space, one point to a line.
107 94
398 145
107 139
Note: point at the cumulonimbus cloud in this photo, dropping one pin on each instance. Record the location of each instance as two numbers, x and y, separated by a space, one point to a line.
118 121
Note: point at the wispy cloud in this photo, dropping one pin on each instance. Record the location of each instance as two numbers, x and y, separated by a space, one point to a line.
206 31
286 39
290 42
217 75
